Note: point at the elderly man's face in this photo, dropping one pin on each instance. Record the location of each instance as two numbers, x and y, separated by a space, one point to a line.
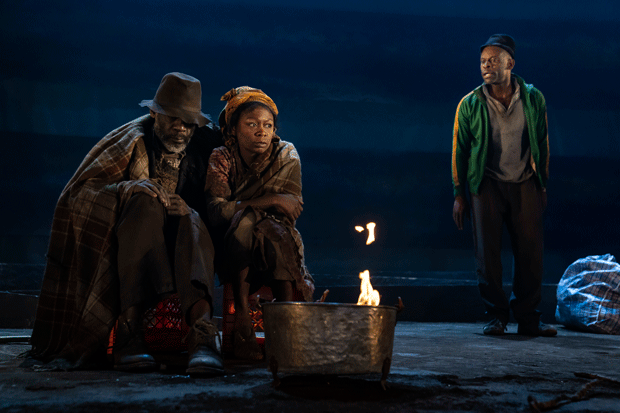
173 133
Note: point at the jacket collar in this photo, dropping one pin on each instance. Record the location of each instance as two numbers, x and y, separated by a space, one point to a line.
522 85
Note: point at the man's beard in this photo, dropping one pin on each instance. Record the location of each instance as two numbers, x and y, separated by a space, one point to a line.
174 147
166 140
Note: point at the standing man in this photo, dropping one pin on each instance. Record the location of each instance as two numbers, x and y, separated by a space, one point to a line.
500 150
128 231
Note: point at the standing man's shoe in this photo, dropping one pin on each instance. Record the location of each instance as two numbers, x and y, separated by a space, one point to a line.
536 330
204 350
496 327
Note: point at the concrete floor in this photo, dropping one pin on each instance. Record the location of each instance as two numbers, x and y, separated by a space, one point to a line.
436 367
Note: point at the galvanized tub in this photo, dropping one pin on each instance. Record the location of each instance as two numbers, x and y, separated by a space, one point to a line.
328 338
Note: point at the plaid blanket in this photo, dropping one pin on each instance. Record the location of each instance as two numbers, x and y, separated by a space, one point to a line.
230 181
79 299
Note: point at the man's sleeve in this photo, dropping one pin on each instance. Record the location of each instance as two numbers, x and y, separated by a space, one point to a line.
543 139
461 146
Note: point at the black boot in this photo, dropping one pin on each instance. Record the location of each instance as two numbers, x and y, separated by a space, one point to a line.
130 352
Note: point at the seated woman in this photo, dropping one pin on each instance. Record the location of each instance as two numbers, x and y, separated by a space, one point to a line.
254 190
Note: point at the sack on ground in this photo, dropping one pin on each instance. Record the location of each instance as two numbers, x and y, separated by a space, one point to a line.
589 295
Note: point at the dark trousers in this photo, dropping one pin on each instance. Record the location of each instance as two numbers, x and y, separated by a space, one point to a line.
519 207
159 254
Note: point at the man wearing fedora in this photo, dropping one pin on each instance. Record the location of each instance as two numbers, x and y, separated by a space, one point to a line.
128 231
500 151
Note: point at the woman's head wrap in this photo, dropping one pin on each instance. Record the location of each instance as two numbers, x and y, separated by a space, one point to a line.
238 96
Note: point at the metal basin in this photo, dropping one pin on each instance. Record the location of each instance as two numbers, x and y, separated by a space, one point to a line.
328 338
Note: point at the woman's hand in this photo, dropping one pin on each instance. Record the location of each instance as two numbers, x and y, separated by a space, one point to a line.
289 205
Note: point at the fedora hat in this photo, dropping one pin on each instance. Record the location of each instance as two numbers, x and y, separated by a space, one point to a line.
179 96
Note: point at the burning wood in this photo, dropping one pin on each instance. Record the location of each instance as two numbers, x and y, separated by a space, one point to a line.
368 296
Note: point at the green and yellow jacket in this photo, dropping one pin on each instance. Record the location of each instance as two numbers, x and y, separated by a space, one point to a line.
472 133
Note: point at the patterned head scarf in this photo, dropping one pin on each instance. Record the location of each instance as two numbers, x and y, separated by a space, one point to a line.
236 97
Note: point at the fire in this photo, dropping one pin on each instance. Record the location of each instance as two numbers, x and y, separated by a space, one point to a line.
368 296
371 231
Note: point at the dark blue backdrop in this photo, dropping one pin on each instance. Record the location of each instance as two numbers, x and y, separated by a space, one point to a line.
367 93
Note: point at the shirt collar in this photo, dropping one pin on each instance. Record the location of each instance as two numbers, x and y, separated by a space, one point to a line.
497 105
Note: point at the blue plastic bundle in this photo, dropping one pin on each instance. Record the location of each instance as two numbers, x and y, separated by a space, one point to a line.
589 295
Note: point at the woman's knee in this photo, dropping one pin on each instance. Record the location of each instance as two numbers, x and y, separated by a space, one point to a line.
242 235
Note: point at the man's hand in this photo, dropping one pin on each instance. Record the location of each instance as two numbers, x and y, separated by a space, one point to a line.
177 206
459 210
289 205
148 187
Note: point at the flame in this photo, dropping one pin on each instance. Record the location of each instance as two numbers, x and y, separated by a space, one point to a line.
371 232
368 296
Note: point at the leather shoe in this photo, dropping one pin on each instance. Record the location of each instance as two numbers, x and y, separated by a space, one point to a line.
495 327
130 352
203 350
536 330
140 362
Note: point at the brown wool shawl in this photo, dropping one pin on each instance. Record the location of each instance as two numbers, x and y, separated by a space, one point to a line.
79 299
